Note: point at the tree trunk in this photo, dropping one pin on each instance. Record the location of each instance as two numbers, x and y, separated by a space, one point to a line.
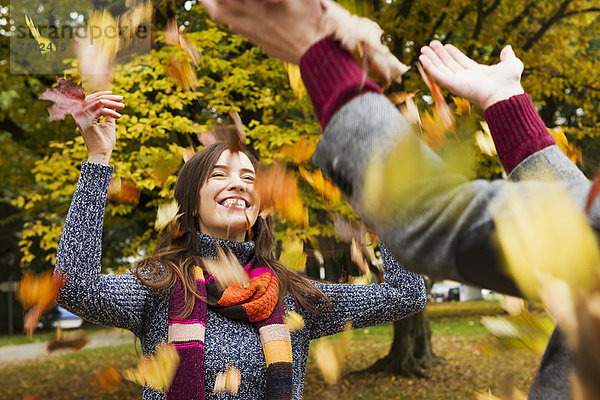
411 352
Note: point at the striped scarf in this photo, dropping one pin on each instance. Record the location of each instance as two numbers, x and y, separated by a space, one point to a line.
257 304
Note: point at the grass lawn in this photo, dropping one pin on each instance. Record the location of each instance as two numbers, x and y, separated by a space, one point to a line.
43 336
471 365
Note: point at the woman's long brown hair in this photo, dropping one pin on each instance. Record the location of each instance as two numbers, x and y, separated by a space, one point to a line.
175 255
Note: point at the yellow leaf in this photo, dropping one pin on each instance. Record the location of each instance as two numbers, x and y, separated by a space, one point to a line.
541 232
294 321
484 140
293 72
321 184
167 212
226 269
570 150
228 381
327 361
156 372
292 253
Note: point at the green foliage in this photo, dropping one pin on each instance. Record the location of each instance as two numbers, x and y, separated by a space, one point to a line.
559 47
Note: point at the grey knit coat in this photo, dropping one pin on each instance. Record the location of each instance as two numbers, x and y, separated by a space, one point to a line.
447 232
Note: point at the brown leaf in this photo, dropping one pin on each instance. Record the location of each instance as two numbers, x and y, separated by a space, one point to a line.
358 258
186 45
228 381
75 343
67 97
182 73
172 32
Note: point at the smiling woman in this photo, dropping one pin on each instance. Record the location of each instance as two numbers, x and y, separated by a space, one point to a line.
171 297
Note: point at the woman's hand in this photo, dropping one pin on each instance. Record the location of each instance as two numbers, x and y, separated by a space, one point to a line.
99 138
482 85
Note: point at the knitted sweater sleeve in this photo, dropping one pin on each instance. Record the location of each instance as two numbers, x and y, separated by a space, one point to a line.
401 294
113 300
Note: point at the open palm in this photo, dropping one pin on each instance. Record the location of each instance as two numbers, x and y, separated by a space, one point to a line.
481 84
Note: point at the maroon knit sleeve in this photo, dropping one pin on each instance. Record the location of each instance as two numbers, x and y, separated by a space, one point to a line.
517 130
332 78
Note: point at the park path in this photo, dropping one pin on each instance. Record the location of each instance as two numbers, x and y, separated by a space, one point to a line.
38 351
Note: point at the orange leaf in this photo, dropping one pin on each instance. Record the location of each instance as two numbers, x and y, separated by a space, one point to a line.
108 379
123 191
278 191
358 258
434 133
300 152
172 32
206 138
321 184
440 103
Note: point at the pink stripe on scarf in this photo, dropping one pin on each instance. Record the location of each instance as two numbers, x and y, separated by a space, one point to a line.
188 345
186 321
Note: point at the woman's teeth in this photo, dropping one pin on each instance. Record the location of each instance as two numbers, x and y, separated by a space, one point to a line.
237 203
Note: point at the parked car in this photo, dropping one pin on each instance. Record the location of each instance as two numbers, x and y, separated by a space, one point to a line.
59 317
444 291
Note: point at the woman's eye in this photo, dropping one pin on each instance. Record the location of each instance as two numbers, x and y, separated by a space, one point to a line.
249 177
217 174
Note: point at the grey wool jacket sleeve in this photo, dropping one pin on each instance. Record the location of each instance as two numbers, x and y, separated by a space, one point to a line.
401 294
445 230
113 300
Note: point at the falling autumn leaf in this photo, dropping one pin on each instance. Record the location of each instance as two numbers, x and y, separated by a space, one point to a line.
188 153
44 44
358 258
540 232
166 213
321 184
327 361
463 107
441 106
97 57
278 191
300 152
293 72
484 140
73 343
293 320
37 294
67 97
226 269
206 138
410 111
182 73
570 150
123 191
163 167
228 381
172 32
190 48
107 379
434 133
155 372
238 141
401 97
292 253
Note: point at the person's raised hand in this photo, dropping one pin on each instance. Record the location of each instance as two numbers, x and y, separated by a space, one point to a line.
99 138
482 85
285 29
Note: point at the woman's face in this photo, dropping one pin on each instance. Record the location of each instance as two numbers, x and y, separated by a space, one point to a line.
228 198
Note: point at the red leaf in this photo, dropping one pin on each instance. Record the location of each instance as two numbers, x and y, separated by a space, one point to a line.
67 97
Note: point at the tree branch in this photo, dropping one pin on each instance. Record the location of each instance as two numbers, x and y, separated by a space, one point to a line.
545 26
